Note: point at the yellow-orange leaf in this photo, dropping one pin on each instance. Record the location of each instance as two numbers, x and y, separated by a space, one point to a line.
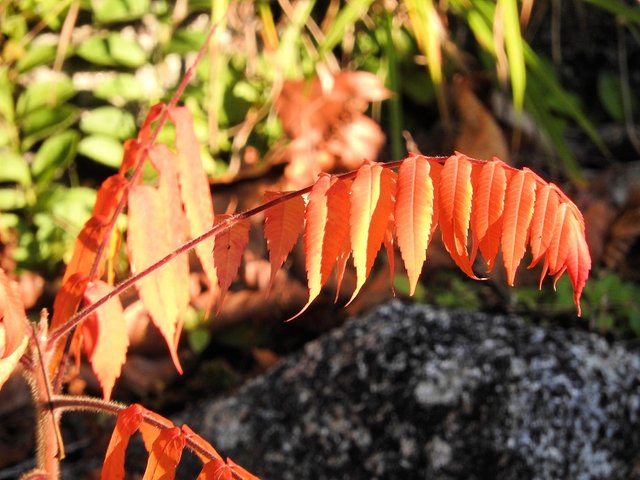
165 455
372 197
518 210
104 336
543 221
176 227
454 208
13 327
147 242
194 186
129 420
228 248
325 231
414 214
282 226
486 210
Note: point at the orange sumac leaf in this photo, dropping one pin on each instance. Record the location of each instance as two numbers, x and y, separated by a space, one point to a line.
194 186
486 210
228 248
282 226
454 208
560 240
543 221
104 336
372 198
325 231
65 305
414 214
176 222
128 423
86 247
218 470
215 469
518 211
165 455
147 242
94 230
13 327
578 260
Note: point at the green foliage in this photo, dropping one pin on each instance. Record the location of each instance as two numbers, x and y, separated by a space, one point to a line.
609 303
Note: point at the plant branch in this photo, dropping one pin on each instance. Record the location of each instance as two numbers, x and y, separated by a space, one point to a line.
137 171
63 403
71 323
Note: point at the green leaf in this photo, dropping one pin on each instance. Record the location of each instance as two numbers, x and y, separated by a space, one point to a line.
47 93
348 15
12 199
610 93
514 44
112 51
35 56
102 149
54 156
14 169
6 95
125 51
121 87
108 11
110 121
96 51
184 41
44 122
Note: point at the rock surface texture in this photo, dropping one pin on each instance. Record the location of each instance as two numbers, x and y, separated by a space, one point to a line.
415 392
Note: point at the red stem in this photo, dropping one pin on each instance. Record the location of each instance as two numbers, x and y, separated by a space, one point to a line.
63 403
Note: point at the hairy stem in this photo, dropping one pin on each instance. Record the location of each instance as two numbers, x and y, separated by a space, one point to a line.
62 403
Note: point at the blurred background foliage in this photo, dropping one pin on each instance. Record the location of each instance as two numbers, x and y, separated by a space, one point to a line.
77 77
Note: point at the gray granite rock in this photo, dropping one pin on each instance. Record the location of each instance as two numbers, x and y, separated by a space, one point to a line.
415 392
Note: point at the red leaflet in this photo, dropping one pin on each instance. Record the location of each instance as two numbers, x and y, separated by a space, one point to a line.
129 420
194 186
147 242
578 259
104 336
486 210
165 455
560 240
372 196
454 209
228 248
414 215
13 327
282 226
518 210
